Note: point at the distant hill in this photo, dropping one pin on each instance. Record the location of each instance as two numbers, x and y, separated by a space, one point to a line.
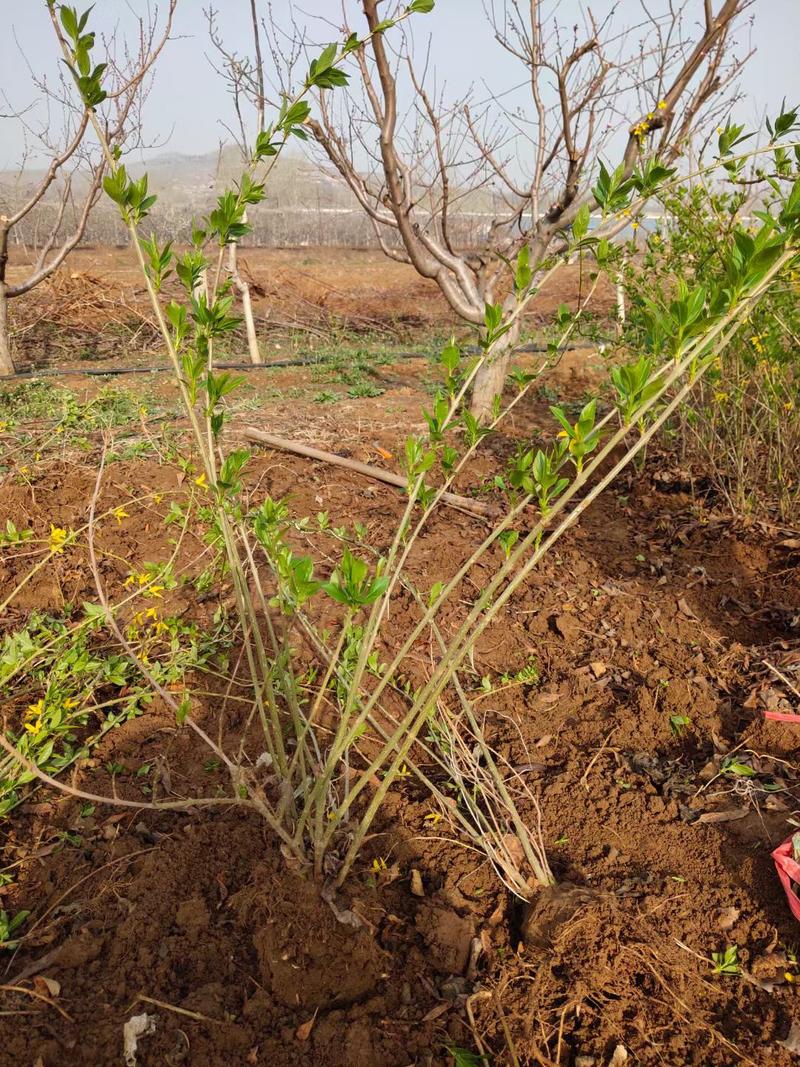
306 203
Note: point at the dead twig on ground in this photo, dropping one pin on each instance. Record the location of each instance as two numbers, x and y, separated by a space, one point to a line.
453 500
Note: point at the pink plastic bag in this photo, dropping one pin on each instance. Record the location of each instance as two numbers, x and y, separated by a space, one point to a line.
788 872
782 716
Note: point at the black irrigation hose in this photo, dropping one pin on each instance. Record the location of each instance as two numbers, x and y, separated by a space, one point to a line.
110 372
74 372
303 361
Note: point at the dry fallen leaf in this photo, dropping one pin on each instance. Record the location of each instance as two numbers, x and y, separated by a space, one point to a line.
497 915
598 668
729 815
728 918
684 608
619 1057
792 1042
768 987
434 1013
475 953
513 847
303 1032
137 1026
417 888
49 987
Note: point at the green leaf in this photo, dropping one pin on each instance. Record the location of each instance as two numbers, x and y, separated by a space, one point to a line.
562 418
69 20
492 317
182 711
94 612
580 226
523 274
463 1057
741 770
297 113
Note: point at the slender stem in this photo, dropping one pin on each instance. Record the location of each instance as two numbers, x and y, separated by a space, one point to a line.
487 605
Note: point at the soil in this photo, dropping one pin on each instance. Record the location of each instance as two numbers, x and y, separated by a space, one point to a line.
96 311
650 624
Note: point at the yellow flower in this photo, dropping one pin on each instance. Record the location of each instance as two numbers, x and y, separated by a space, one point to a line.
143 411
433 818
201 481
120 514
634 225
154 590
34 728
151 613
70 703
789 405
36 709
379 865
3 426
58 538
157 498
721 397
662 105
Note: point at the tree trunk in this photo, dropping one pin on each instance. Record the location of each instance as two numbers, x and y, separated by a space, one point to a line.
247 304
491 377
6 362
250 323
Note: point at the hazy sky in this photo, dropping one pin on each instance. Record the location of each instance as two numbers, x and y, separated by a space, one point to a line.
189 100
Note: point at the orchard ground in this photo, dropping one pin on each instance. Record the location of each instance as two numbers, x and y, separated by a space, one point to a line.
626 682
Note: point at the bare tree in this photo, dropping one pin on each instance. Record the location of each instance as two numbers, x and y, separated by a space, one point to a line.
594 91
73 176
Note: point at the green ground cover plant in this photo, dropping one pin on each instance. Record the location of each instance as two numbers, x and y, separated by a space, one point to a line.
743 420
